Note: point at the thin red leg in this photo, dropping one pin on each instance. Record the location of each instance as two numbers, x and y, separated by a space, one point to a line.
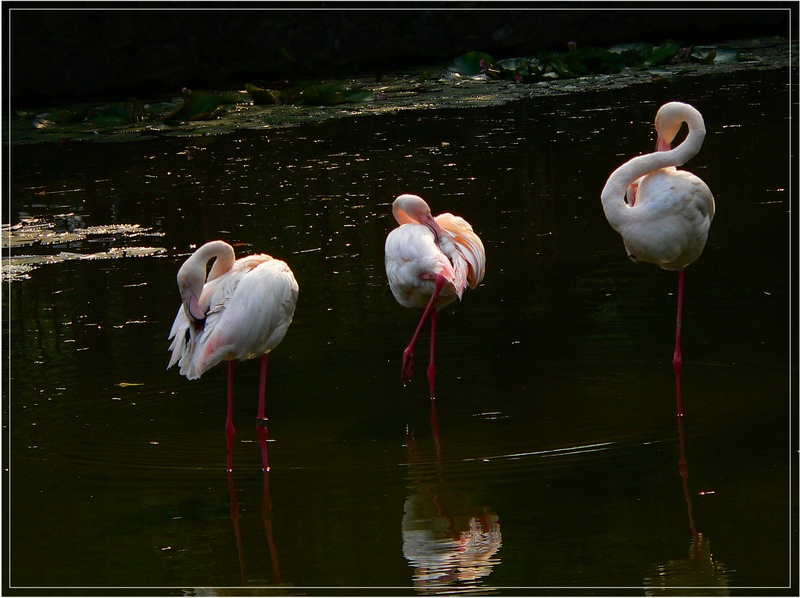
230 431
408 354
261 424
677 360
432 364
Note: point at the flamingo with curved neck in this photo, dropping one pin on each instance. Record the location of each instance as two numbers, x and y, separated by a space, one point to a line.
663 214
242 310
430 261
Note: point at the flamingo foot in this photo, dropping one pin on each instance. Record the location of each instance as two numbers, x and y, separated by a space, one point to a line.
261 432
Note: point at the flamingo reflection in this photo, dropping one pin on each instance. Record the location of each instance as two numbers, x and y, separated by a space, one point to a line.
448 540
699 570
266 516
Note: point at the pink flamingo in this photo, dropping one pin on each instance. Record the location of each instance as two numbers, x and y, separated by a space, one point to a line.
663 213
241 311
429 263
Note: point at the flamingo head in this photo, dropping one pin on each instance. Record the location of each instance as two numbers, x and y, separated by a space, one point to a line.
190 285
412 209
669 119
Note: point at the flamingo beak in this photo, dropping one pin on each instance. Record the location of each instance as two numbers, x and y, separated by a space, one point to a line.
193 310
662 145
435 227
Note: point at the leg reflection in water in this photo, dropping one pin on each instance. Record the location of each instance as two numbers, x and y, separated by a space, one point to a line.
699 570
448 539
266 516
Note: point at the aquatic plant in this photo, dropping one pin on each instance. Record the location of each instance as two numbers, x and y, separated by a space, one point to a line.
578 62
312 93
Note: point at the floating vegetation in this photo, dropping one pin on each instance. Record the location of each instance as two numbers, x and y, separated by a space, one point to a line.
471 80
310 93
581 62
65 231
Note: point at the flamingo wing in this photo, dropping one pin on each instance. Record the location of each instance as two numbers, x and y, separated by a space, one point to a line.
469 248
670 221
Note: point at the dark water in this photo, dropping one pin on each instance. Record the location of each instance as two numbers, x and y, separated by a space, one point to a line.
557 463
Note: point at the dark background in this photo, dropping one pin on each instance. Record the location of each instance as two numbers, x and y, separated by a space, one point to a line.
75 51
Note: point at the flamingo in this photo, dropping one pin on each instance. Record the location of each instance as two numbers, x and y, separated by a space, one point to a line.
663 213
430 261
241 311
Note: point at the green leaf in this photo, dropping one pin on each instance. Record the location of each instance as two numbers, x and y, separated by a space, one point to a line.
61 117
472 64
196 105
358 95
323 95
663 53
111 114
259 95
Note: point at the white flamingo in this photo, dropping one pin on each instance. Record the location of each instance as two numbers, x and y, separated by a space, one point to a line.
241 311
430 261
663 213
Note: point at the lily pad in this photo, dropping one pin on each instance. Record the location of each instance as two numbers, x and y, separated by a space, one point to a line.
327 94
195 105
260 95
471 64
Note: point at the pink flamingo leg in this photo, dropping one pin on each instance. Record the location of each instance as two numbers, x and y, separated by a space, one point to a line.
432 364
677 359
230 431
261 425
408 354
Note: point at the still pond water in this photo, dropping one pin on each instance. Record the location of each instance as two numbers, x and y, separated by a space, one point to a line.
559 461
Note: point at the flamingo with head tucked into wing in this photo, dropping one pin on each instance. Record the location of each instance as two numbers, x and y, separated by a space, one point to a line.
663 214
430 261
242 310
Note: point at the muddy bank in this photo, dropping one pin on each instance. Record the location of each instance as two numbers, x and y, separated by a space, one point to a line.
69 55
410 89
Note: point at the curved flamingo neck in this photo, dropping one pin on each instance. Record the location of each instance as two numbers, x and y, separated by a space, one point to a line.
617 184
224 258
195 266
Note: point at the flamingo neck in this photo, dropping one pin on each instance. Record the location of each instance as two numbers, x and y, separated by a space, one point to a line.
617 184
221 253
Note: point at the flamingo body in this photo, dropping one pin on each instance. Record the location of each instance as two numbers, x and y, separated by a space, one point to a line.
418 251
430 262
248 310
663 214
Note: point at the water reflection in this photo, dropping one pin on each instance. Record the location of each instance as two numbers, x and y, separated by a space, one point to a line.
448 539
699 571
266 517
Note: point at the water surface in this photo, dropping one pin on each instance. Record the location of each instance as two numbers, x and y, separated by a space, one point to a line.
557 462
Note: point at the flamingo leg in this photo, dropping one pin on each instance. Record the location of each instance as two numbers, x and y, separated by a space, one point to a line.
230 431
432 364
677 359
261 424
408 354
